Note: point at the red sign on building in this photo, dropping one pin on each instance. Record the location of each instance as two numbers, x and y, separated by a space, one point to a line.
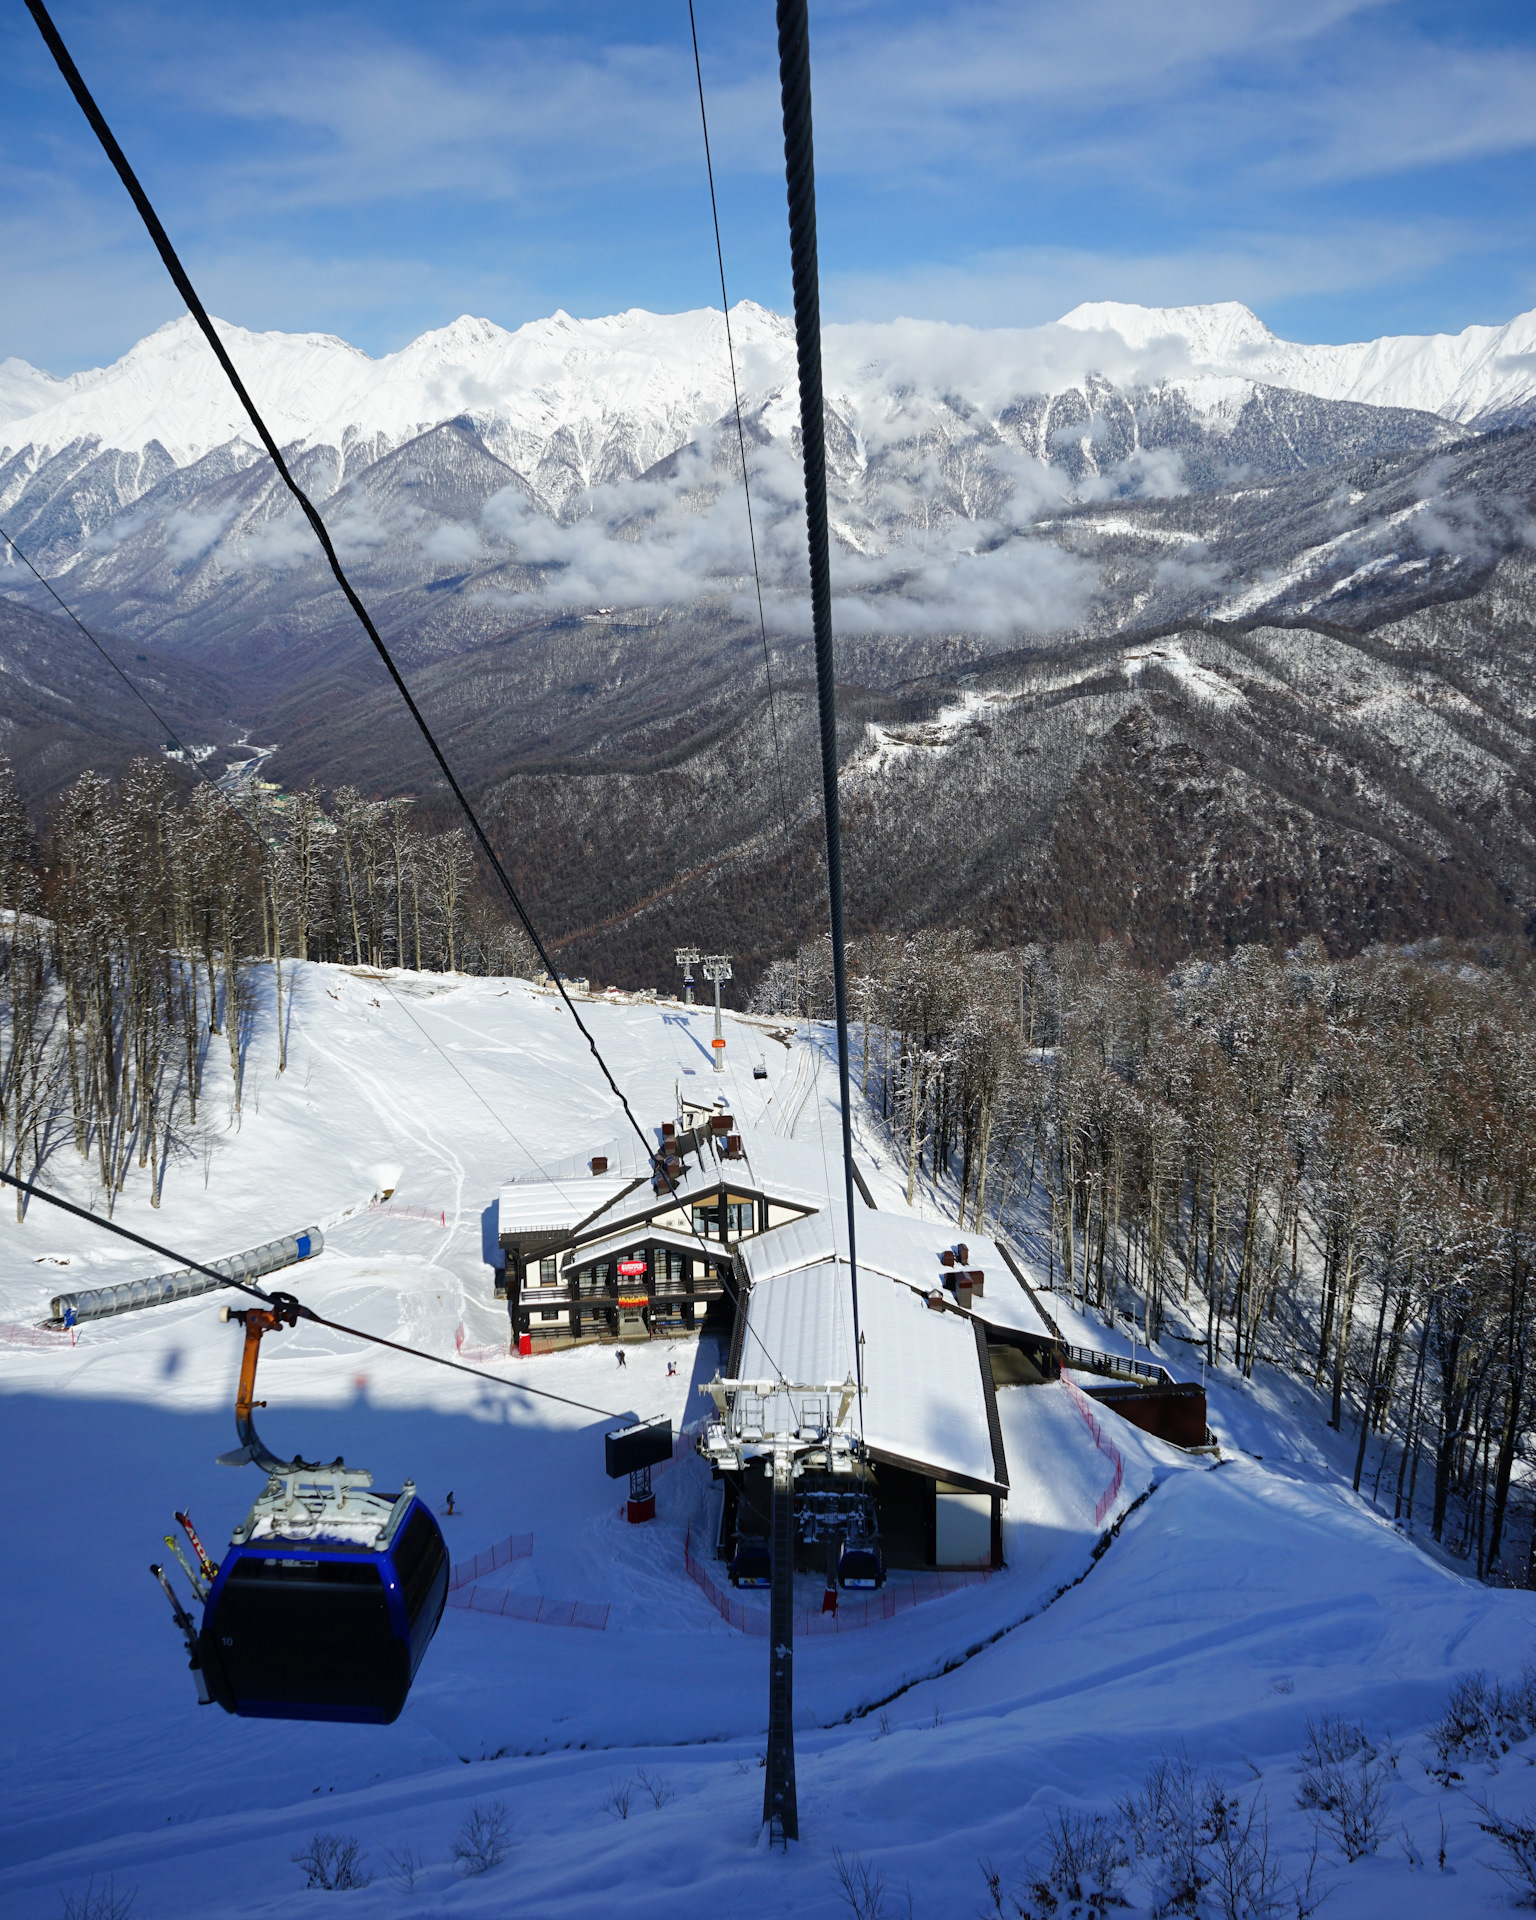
631 1266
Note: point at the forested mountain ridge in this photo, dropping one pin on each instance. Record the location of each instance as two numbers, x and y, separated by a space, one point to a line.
1159 650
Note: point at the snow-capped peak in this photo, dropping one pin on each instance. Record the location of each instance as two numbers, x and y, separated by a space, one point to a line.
1214 335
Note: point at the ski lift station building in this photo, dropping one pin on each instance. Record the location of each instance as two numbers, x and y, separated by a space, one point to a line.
620 1244
938 1474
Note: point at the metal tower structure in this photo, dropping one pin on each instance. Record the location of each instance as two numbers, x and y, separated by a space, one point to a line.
688 958
791 1428
717 967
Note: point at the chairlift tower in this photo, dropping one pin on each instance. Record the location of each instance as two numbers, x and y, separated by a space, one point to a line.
717 967
688 958
792 1427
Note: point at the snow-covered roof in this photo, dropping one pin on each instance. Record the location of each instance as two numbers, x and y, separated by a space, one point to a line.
902 1247
557 1206
925 1401
789 1170
679 1239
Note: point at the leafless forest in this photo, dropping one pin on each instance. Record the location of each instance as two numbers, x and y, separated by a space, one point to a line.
131 927
1323 1166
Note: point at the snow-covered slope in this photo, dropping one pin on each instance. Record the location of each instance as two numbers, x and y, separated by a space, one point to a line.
651 377
1480 374
1234 1605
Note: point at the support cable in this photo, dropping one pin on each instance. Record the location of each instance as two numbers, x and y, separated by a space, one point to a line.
308 1314
205 325
266 846
746 484
800 182
251 828
199 314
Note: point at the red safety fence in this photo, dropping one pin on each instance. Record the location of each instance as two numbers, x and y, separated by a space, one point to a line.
435 1214
467 1351
535 1607
517 1546
16 1336
900 1594
1107 1447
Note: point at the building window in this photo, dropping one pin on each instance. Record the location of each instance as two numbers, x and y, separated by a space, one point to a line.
706 1222
548 1272
549 1313
677 1266
740 1217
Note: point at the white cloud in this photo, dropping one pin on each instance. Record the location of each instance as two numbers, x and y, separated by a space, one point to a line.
655 543
452 544
188 536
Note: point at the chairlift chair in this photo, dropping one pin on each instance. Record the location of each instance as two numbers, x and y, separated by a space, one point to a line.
329 1594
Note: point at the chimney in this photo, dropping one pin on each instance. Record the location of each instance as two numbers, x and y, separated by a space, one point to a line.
978 1279
947 1257
599 1163
963 1254
733 1146
668 1130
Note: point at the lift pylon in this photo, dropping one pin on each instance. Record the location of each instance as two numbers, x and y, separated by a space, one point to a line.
794 1427
717 967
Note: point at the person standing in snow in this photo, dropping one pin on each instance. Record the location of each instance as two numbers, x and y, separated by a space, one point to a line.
622 1361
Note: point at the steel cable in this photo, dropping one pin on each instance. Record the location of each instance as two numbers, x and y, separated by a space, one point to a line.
800 184
183 284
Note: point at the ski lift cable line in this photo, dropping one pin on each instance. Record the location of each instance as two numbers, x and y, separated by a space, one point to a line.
251 827
311 513
199 313
800 182
746 484
308 1314
254 830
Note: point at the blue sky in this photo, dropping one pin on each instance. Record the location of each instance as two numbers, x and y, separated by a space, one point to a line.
1345 169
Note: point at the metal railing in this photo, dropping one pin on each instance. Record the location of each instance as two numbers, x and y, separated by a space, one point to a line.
1116 1365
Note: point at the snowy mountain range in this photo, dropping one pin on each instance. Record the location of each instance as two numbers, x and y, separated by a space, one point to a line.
503 466
665 375
1074 538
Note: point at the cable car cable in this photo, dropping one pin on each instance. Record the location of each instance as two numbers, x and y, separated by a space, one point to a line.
800 181
260 838
741 442
304 1313
254 831
181 281
199 314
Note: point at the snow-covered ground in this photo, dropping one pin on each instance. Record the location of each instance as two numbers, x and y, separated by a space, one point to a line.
1235 1602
